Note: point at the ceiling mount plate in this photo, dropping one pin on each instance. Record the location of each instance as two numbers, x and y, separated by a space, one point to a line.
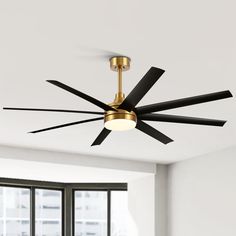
122 62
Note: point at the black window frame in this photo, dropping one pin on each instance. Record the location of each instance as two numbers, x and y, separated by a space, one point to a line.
68 196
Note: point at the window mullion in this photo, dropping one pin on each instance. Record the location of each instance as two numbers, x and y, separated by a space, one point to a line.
32 211
68 211
108 212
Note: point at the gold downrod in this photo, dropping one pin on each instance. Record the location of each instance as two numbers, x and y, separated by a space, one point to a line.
120 80
119 64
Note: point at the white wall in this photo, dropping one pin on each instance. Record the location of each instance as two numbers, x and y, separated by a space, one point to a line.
46 171
148 204
202 195
142 206
74 159
161 203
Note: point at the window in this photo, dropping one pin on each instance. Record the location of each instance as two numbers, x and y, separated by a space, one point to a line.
90 211
36 208
14 211
48 212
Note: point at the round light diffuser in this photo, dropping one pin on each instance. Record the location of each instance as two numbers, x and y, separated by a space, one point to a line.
120 121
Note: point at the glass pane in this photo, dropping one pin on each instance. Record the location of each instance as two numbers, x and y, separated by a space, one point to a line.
48 212
1 227
119 213
90 213
1 204
14 211
17 227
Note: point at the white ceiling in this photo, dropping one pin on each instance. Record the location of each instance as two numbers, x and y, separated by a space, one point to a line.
70 41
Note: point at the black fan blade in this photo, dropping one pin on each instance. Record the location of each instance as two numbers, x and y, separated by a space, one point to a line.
141 88
183 102
149 130
181 119
65 125
100 138
82 95
52 110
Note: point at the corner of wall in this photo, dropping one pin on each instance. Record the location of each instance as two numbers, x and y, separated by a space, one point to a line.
161 194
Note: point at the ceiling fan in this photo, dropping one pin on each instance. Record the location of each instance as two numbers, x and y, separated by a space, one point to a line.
122 113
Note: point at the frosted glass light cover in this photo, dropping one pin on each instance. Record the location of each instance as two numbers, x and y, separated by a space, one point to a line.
120 124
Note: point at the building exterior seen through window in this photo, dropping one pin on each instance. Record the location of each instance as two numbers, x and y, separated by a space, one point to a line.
90 213
48 212
41 211
14 211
